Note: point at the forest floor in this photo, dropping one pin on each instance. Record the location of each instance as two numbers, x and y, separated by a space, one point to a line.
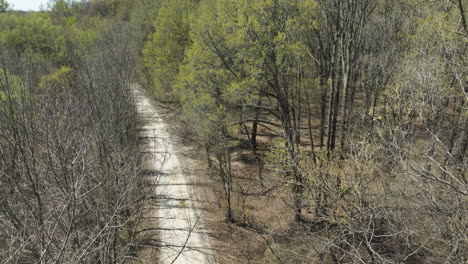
175 215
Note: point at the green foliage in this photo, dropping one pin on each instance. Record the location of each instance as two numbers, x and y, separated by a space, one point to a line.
107 8
58 80
144 13
10 86
60 7
71 20
82 36
203 83
226 46
278 160
36 34
232 44
165 50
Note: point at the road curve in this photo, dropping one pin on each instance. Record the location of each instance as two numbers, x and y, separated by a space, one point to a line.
182 233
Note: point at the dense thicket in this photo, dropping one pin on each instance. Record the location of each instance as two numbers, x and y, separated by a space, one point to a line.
368 98
70 188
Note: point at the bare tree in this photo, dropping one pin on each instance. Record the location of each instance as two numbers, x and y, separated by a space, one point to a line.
69 166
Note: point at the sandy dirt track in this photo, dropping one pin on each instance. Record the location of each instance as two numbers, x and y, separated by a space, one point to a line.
181 231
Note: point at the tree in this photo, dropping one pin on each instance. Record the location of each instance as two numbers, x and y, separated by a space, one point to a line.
250 51
165 50
201 88
273 34
4 5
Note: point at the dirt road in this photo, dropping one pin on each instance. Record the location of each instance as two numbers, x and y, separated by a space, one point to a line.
182 233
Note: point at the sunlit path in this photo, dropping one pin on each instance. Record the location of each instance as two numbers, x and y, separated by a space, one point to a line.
182 234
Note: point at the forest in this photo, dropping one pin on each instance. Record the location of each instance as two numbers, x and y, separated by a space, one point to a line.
70 189
327 131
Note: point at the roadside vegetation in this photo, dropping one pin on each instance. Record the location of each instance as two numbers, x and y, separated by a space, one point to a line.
334 131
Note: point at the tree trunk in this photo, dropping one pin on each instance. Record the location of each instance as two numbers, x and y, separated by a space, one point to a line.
331 107
335 120
345 68
255 126
323 109
309 122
